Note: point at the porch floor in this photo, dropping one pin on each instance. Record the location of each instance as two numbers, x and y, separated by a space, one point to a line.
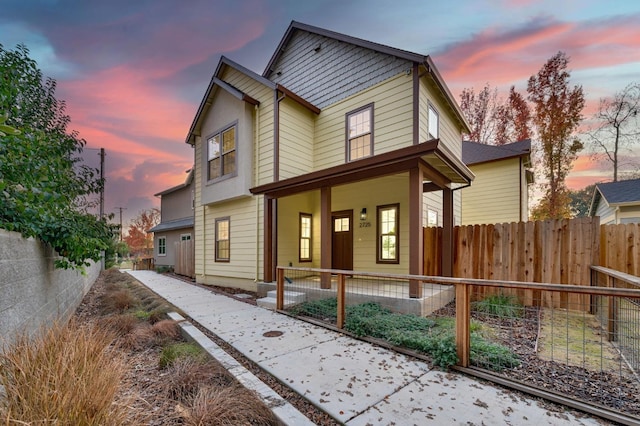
391 294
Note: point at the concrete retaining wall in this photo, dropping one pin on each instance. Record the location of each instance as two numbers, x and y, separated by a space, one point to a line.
32 291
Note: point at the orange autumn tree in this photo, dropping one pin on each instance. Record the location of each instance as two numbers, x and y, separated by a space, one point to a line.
557 111
139 241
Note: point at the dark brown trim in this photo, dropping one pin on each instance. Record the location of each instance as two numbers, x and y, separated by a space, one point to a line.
289 94
325 236
300 258
276 135
378 165
248 99
268 241
379 259
274 238
447 233
347 146
216 240
416 233
416 104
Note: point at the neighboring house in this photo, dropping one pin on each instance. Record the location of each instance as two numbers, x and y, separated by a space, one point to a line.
616 202
335 157
176 221
500 190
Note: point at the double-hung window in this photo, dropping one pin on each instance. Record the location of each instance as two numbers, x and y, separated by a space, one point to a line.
162 246
360 133
223 247
221 153
388 219
305 237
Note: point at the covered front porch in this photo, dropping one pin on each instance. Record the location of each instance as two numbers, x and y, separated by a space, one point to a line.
354 197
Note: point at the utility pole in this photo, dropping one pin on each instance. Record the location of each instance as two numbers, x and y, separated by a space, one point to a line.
102 154
121 208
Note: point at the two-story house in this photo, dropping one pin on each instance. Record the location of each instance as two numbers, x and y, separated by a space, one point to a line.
329 159
500 190
176 221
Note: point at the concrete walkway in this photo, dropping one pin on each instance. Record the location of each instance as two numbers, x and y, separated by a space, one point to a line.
355 382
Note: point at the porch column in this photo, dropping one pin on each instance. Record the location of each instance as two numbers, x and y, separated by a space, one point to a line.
269 266
325 236
416 233
447 233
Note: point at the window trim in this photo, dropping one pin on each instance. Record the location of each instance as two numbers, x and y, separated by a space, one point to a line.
300 238
347 145
164 246
217 240
430 108
379 235
188 234
219 133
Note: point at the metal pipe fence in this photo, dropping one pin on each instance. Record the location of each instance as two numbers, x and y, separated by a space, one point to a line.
558 340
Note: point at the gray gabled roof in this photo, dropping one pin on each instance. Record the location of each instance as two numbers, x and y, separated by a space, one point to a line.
424 60
171 225
476 153
616 194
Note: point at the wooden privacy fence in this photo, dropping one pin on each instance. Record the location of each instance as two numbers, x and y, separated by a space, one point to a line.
185 258
552 251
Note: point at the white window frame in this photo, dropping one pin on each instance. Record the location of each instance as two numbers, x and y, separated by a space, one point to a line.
162 245
434 122
358 134
219 155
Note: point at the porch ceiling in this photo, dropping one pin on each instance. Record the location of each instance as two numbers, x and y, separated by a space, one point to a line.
444 169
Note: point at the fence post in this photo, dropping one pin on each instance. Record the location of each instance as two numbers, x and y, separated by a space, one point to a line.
280 289
341 304
612 312
463 323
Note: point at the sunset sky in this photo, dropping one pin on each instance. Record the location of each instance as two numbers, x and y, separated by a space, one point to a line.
133 72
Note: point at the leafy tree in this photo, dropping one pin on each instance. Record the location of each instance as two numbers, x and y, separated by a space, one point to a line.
580 200
139 240
557 111
618 125
513 119
44 189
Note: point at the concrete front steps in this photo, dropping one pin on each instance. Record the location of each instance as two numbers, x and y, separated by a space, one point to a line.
290 298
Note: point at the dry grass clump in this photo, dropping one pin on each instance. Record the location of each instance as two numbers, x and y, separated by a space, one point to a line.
67 375
120 300
120 324
166 329
226 407
141 337
187 375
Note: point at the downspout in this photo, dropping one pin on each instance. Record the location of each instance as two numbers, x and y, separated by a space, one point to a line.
416 104
276 174
257 171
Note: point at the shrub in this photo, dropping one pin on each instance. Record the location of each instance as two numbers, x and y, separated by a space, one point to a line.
323 308
492 356
121 324
120 300
500 305
66 375
166 329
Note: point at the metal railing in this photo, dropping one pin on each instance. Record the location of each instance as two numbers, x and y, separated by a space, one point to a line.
552 340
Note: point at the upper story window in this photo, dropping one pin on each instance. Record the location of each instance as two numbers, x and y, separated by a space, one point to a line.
360 133
433 123
185 237
221 153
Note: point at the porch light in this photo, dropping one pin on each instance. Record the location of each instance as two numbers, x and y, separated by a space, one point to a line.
363 214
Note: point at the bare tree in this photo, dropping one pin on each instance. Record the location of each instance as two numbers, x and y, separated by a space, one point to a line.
478 109
557 111
618 126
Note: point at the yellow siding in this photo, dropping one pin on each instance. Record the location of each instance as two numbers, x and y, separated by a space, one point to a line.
289 209
392 118
498 181
450 133
296 139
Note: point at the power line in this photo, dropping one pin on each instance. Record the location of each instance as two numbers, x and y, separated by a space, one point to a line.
120 208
